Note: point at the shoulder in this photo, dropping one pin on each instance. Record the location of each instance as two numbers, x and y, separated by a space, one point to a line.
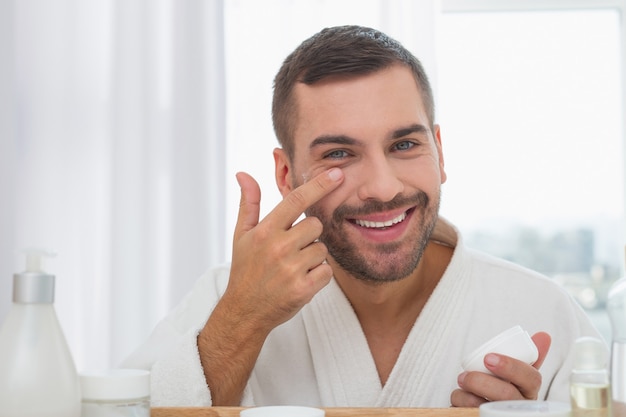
505 291
525 295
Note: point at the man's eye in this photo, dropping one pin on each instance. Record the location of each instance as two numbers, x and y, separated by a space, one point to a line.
338 154
404 145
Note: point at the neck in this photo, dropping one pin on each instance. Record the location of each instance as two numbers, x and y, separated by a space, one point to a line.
388 302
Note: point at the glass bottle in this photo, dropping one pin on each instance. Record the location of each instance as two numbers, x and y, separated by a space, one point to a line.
590 391
616 307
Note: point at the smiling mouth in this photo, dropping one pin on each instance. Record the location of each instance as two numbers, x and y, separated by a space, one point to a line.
380 225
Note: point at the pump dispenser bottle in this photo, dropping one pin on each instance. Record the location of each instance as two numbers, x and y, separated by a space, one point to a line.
37 374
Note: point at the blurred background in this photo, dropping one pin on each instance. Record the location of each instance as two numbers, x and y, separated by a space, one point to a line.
123 123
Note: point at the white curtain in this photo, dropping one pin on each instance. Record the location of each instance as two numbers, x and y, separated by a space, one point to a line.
112 156
113 149
7 153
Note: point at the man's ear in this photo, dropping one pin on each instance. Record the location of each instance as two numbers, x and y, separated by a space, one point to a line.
442 171
282 172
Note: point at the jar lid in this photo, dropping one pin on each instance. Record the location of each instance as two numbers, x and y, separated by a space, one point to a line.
590 354
525 408
115 384
514 342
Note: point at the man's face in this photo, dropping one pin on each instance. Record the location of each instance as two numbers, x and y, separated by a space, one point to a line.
375 128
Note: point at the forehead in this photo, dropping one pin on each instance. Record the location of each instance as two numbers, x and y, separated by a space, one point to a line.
365 107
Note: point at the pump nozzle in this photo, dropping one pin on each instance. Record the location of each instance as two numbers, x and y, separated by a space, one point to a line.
34 285
34 258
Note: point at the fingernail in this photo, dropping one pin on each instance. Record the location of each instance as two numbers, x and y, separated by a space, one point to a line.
334 174
492 359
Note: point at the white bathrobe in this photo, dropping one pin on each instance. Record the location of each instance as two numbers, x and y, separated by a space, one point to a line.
321 357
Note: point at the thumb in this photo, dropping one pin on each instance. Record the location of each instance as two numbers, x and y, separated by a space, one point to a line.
249 204
542 340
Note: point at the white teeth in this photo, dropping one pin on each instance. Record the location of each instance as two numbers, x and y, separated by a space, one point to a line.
380 225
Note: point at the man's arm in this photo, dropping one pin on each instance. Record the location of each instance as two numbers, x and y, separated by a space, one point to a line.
277 267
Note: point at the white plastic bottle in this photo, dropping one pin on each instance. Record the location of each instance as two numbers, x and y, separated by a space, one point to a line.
38 377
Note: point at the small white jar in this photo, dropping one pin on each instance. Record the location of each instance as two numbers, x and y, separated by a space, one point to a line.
116 393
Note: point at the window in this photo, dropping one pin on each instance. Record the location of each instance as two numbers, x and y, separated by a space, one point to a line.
531 114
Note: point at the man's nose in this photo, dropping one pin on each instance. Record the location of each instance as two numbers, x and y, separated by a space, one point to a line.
379 181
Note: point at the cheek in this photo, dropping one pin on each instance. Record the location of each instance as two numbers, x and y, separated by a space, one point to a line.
425 172
325 207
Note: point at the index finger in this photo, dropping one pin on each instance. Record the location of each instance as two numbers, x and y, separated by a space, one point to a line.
301 198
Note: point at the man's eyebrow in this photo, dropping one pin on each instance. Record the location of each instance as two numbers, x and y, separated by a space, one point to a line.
333 139
405 131
349 141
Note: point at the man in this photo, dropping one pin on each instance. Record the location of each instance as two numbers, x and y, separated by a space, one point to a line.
372 299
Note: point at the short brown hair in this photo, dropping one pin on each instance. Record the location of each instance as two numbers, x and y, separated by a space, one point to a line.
341 50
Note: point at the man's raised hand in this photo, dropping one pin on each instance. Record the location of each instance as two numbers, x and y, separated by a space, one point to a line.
277 267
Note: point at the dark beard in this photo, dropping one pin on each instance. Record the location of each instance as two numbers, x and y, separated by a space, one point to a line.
387 267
